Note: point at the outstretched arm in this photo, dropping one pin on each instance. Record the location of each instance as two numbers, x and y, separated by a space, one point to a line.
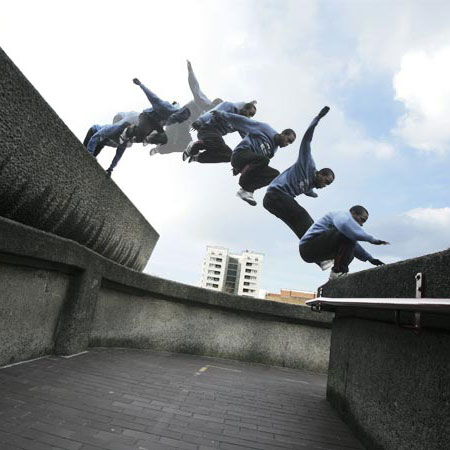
199 96
304 153
310 131
119 153
352 230
240 123
155 101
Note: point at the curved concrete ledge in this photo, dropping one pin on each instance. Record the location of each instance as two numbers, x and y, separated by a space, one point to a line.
390 361
75 298
49 181
396 280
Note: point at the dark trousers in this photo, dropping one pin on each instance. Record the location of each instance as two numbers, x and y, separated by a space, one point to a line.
288 210
254 169
330 244
215 148
89 134
146 125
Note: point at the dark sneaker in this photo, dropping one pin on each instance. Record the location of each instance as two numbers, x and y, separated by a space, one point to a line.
188 152
335 275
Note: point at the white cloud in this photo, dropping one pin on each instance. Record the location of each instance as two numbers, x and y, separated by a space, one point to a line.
416 232
436 219
422 84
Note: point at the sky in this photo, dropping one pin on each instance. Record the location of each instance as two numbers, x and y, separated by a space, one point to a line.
382 67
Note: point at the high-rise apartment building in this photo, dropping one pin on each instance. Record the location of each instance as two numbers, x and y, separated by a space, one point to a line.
232 273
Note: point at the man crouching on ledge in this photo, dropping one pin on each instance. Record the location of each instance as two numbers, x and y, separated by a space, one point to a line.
332 241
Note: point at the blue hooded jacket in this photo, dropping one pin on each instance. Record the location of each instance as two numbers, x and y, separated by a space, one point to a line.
299 178
344 222
162 111
224 127
259 136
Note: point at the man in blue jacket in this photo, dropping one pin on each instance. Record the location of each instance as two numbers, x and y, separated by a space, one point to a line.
178 135
252 155
301 178
334 239
149 127
210 146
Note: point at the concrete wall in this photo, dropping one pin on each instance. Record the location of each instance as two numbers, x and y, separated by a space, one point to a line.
30 306
150 322
396 280
49 181
389 383
75 298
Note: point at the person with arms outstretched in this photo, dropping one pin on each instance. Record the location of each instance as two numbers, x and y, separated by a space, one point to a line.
147 127
210 146
333 241
252 155
301 178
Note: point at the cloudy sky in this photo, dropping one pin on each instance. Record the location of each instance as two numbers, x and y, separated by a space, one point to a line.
382 66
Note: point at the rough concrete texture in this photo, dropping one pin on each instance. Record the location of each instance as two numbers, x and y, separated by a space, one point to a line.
124 320
127 399
49 181
106 303
391 384
396 280
30 304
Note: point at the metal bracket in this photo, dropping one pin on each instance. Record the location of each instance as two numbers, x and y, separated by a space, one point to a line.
419 285
416 325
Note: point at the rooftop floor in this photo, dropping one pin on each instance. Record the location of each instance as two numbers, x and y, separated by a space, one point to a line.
126 399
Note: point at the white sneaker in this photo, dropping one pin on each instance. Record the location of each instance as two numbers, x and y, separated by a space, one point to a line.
246 196
325 265
336 275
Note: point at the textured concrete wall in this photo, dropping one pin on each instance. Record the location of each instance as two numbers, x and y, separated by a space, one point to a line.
31 300
390 384
396 280
49 181
95 301
148 322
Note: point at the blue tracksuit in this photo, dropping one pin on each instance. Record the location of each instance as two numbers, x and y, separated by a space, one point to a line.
299 178
260 137
107 135
344 222
164 112
110 135
222 126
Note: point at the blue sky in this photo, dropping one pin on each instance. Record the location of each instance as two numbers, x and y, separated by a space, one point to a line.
382 67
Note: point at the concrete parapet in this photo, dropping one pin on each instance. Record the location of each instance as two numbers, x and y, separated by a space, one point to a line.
389 364
49 181
396 280
91 301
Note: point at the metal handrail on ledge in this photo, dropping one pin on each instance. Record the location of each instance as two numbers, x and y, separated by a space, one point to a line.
396 305
441 305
